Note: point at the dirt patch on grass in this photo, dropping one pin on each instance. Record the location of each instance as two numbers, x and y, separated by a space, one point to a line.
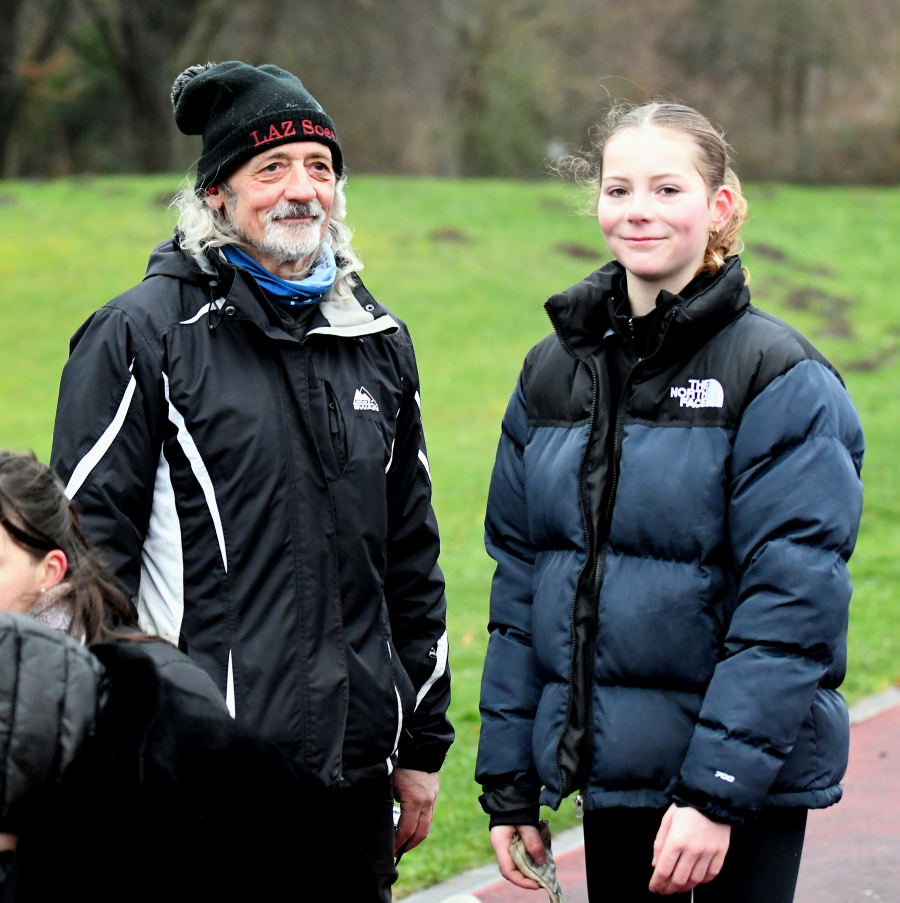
776 255
580 252
832 308
450 235
557 205
877 361
768 252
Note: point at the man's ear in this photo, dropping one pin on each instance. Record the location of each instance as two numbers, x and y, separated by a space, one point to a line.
215 198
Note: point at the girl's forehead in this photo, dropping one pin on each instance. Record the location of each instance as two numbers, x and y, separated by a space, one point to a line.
647 144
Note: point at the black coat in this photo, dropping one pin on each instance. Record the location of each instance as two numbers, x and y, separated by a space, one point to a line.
669 609
126 778
265 499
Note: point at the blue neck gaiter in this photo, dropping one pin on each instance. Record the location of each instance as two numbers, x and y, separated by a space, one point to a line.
286 292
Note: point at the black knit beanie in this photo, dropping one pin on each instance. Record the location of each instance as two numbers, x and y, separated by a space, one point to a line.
244 110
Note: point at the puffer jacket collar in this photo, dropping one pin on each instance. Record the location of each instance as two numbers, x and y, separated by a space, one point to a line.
581 314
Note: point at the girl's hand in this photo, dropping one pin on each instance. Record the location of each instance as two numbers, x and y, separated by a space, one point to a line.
689 850
502 836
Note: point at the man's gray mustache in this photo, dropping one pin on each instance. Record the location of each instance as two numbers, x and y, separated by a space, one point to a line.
294 210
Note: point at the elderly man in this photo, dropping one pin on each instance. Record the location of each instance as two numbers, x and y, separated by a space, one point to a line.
241 434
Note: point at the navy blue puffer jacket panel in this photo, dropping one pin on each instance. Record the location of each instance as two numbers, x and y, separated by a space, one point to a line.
669 608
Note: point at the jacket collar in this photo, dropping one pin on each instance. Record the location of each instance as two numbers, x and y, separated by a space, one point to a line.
582 314
230 285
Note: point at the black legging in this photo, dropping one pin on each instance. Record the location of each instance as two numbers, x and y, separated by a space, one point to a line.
761 865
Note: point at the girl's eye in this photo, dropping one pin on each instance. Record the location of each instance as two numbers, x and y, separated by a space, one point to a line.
669 190
616 192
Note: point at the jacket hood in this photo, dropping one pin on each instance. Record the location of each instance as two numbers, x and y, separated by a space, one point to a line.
167 259
581 314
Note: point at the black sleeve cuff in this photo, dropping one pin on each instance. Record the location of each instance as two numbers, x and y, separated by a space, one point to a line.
508 804
713 809
420 759
530 816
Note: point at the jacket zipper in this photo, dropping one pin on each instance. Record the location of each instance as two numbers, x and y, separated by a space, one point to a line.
593 548
591 545
335 421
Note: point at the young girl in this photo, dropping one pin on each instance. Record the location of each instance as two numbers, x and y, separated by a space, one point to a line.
675 498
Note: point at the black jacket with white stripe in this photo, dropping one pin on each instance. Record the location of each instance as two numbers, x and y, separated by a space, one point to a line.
265 500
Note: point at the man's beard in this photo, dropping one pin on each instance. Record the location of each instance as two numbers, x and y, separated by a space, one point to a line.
289 243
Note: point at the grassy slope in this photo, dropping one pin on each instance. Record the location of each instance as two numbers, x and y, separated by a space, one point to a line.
474 308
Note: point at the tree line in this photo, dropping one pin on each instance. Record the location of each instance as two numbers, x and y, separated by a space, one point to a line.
806 89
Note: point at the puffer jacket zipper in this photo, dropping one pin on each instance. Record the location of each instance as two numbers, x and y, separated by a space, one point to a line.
590 551
593 547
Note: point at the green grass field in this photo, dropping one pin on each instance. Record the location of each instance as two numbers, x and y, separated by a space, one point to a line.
468 265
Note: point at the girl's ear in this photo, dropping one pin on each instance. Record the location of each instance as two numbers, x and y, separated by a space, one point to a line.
722 206
53 567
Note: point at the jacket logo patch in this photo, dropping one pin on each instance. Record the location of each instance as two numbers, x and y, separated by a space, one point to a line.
701 393
725 777
363 400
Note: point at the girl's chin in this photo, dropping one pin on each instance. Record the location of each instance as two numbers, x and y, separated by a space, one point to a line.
644 269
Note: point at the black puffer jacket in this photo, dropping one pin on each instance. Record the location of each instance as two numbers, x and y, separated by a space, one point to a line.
125 777
50 692
265 499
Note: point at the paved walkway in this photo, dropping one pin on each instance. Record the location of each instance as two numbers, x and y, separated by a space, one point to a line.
852 850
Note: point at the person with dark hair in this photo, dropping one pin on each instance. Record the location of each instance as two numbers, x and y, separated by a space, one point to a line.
46 566
242 437
121 770
675 499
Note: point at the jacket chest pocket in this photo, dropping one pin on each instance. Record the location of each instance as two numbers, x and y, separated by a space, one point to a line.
329 429
359 435
337 429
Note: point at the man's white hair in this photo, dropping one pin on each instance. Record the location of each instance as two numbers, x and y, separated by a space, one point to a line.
201 227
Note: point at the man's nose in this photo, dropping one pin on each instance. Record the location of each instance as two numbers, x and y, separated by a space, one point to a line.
299 186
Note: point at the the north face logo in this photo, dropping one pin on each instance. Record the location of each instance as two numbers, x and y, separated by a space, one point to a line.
363 400
701 393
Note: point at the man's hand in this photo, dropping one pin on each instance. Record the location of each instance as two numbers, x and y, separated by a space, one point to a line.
689 850
416 791
502 836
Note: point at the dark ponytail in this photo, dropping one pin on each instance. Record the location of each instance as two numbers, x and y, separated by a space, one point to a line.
37 515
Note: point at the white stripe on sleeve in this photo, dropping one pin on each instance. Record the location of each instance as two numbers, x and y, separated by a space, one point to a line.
440 666
229 686
399 721
160 602
424 461
186 441
101 446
